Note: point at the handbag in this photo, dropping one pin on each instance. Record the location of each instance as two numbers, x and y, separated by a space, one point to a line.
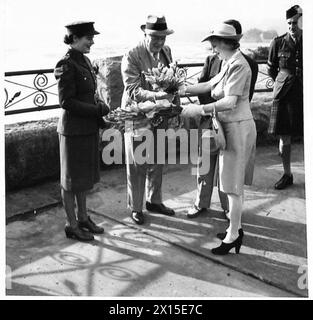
215 135
218 132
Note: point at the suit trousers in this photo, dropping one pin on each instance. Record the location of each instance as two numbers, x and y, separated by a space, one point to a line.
207 181
143 178
205 184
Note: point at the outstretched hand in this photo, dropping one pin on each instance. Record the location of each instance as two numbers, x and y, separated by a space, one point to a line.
192 110
161 95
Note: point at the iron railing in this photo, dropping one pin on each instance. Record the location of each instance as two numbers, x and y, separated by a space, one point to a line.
42 87
39 88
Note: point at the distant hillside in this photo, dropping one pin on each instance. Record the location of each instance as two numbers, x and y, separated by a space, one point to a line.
257 35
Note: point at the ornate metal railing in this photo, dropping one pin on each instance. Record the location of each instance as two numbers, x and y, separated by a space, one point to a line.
42 87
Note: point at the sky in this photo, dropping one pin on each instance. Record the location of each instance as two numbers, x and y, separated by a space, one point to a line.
36 23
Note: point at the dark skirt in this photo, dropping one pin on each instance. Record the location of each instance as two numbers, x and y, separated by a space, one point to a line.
287 113
79 162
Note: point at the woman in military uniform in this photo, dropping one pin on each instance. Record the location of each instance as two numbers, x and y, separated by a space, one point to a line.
78 129
285 67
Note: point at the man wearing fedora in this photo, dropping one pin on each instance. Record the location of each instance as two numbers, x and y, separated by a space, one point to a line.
285 67
205 182
148 54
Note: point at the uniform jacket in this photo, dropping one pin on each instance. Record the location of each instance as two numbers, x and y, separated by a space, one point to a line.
80 112
285 64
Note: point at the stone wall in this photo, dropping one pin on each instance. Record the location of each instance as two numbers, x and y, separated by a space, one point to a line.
31 153
109 79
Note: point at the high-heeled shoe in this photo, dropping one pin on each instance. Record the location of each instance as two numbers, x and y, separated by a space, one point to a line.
224 248
222 235
79 234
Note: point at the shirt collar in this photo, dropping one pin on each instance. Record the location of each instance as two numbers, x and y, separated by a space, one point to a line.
234 57
155 56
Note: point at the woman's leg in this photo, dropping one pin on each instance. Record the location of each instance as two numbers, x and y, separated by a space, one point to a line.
68 199
235 212
81 206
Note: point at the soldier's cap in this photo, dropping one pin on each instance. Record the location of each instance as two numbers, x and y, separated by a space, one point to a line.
81 28
156 25
294 12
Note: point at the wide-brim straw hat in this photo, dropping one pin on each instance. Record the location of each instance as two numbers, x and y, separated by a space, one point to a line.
224 31
156 25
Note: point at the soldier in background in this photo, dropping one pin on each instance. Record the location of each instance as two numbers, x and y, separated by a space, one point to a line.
285 67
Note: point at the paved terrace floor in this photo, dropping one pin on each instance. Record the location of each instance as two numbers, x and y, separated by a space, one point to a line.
167 256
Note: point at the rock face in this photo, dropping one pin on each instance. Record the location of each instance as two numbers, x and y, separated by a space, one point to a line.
110 83
31 153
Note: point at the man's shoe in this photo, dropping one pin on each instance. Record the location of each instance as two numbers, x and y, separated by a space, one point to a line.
284 182
159 208
195 212
90 226
138 217
78 234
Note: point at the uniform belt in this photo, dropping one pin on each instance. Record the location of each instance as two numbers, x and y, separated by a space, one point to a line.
292 70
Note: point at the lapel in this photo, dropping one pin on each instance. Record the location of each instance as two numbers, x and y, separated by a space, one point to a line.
91 69
290 42
215 80
83 61
166 56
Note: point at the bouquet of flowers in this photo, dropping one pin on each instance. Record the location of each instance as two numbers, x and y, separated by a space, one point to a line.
117 117
162 78
167 79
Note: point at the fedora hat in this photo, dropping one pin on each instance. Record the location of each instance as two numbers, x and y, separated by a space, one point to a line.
224 31
156 25
294 12
81 28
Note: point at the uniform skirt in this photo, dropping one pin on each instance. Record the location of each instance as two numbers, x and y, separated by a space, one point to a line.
236 162
79 162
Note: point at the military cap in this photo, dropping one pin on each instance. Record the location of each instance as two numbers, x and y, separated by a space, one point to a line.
294 12
81 28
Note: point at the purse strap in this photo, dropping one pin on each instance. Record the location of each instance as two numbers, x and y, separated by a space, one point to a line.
214 120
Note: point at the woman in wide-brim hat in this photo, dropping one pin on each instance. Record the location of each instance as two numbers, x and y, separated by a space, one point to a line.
230 88
78 129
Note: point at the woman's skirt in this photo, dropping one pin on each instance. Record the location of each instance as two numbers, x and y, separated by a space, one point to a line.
236 162
79 162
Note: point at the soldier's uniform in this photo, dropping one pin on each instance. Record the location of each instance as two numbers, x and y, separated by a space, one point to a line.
285 67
